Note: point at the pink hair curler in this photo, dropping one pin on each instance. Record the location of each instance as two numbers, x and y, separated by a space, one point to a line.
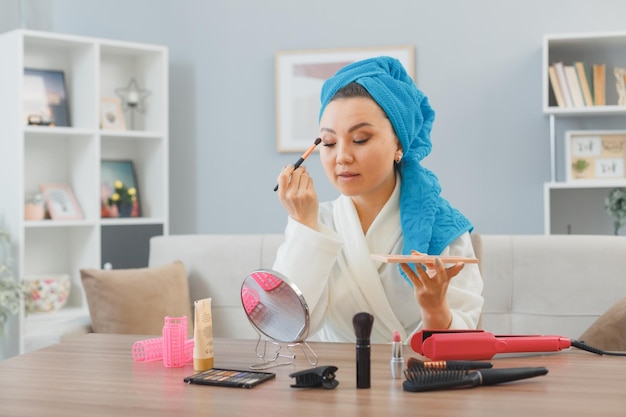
151 350
266 280
250 299
148 350
174 334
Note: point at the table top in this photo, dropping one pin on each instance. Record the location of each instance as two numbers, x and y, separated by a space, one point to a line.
95 375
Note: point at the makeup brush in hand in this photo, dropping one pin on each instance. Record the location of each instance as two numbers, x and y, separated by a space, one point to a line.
424 379
362 323
304 156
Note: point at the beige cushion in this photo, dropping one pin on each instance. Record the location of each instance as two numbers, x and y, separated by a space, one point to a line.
608 332
136 301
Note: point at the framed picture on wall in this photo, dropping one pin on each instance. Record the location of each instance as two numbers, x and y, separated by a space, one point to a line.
119 189
595 155
61 202
45 98
299 79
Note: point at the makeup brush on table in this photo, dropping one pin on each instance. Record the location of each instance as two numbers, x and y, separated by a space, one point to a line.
304 156
362 323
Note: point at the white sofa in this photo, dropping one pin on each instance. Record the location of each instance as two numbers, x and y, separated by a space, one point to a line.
534 284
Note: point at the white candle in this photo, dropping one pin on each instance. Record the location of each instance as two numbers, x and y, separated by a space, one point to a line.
133 97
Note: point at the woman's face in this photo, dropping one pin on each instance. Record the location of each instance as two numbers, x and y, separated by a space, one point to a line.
358 148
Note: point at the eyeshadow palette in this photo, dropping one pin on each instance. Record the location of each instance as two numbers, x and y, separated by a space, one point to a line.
229 378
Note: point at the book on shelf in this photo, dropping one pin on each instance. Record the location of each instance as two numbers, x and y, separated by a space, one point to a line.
556 86
574 86
599 84
583 79
560 73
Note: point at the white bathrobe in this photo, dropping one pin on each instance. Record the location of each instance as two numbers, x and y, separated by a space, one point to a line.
333 269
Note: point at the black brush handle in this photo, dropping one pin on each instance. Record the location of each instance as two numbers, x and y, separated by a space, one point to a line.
499 376
295 166
363 356
468 365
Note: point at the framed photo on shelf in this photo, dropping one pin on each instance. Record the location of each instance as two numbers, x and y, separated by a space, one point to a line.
595 155
61 202
111 116
119 189
299 79
45 98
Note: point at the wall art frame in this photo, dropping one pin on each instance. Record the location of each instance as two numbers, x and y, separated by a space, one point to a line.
299 75
595 155
61 202
45 98
112 170
111 116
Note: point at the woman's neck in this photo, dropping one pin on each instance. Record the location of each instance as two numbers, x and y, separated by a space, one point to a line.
369 206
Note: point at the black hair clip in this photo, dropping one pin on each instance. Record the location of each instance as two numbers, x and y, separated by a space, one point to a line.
321 376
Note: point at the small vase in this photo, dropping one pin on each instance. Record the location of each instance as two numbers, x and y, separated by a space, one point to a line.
125 210
34 208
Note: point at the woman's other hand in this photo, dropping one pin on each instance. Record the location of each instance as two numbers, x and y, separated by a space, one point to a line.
297 194
430 285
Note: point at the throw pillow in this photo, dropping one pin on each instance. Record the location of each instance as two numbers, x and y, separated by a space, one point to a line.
136 301
608 332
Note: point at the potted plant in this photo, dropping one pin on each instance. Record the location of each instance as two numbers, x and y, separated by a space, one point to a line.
123 198
10 290
615 205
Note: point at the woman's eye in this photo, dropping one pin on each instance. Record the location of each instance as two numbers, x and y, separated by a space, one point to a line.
328 144
361 141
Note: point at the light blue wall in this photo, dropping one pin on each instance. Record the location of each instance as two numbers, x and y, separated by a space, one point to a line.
478 61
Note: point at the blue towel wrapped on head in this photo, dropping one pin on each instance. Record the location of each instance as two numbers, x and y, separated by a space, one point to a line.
429 223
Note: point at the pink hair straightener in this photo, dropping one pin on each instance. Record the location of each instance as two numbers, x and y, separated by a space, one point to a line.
480 345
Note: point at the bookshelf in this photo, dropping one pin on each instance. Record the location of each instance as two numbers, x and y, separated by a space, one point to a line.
577 207
34 154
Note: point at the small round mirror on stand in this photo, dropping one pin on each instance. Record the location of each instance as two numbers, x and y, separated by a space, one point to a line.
277 310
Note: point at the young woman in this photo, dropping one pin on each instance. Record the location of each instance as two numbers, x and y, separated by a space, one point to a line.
375 129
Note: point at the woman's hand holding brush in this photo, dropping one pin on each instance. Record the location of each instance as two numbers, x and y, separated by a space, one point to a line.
297 193
304 156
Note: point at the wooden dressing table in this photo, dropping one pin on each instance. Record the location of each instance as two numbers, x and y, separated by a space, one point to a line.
95 375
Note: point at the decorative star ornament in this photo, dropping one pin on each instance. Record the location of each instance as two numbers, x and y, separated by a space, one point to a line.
133 97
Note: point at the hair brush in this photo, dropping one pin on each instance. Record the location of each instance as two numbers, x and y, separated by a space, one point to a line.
424 379
458 365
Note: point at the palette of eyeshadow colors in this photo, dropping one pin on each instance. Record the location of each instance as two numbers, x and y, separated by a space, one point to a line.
229 378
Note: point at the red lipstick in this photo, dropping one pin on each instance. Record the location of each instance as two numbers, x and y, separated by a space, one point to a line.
397 361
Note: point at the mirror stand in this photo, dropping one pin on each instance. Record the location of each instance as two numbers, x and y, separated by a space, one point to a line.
274 357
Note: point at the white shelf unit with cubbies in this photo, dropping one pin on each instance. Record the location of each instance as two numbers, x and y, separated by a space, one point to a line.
577 207
33 155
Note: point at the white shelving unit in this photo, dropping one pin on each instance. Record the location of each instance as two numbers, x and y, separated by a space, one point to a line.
32 155
577 207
